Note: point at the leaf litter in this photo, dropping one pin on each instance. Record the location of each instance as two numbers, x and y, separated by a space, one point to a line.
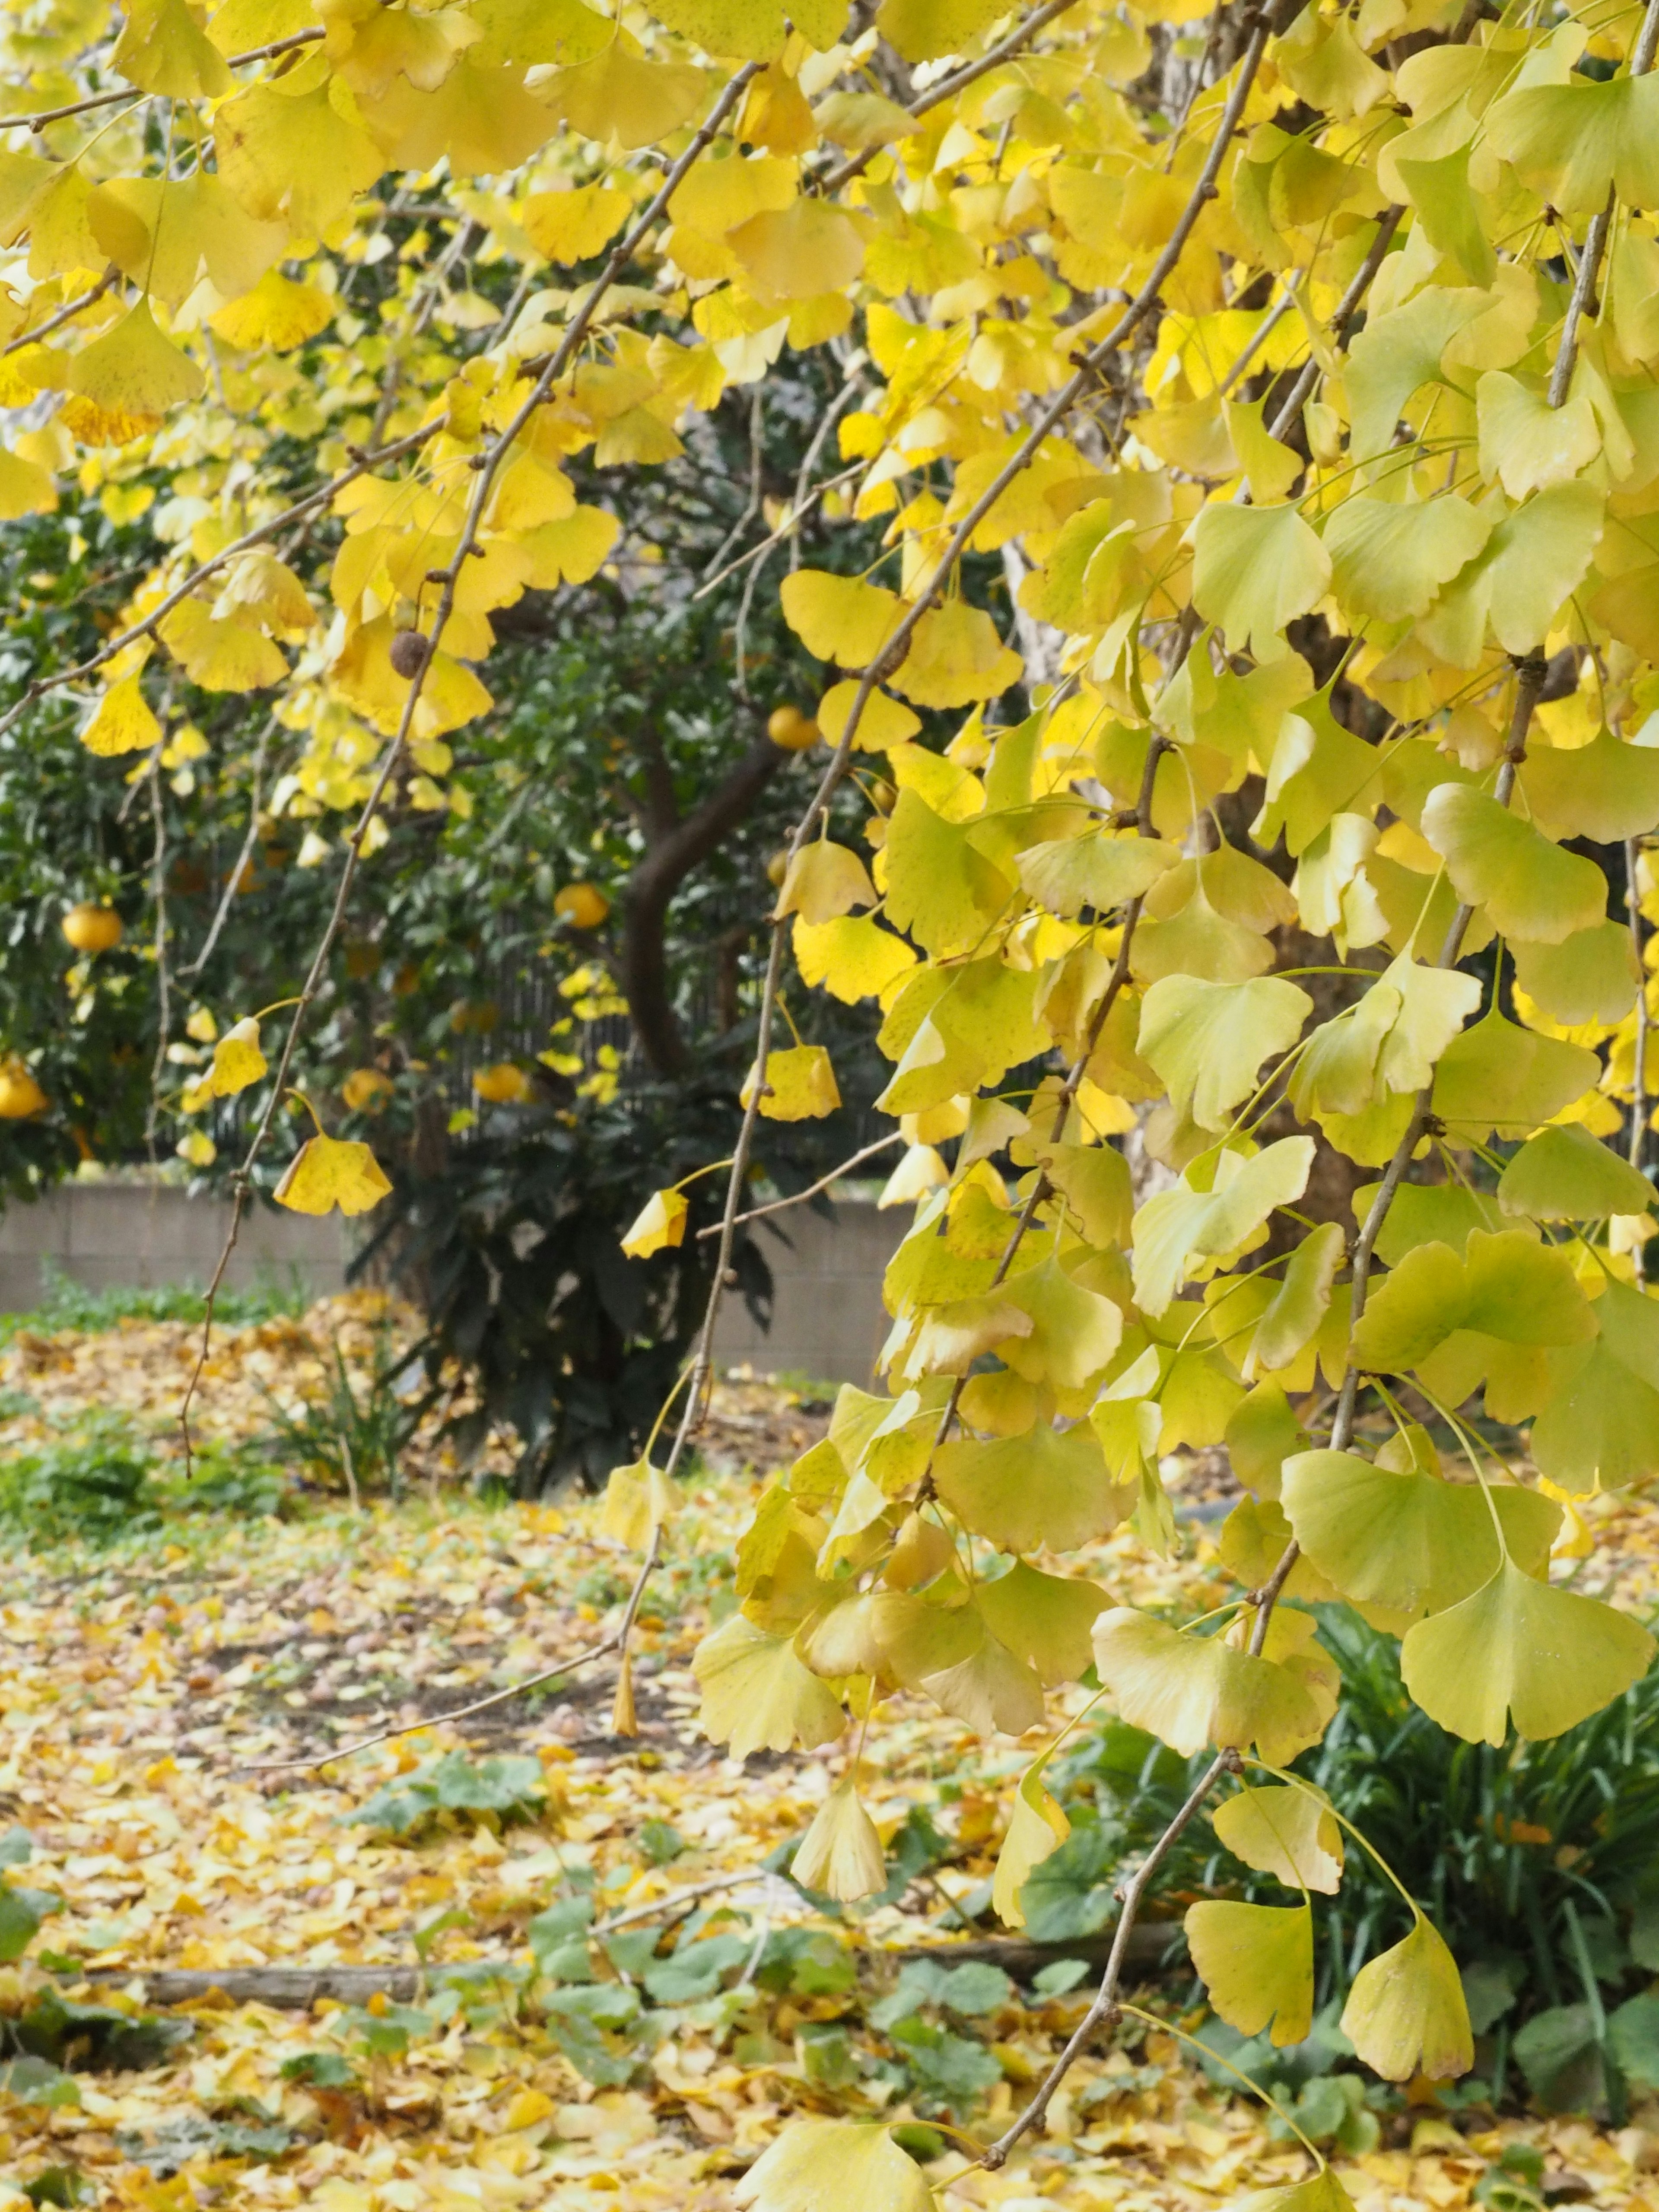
582 1978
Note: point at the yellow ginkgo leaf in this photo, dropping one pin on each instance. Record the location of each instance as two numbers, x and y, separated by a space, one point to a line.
1406 2015
824 881
756 1695
1254 569
799 252
818 2162
841 1855
1525 442
1190 1691
1207 1040
638 1500
660 1224
1517 1647
330 1171
620 94
237 1060
1531 888
1189 1224
1037 1827
1286 1831
1044 1487
277 314
921 30
840 619
574 225
132 375
293 151
854 956
123 722
25 487
956 657
800 1085
1390 558
163 48
219 654
1256 1963
884 722
1574 141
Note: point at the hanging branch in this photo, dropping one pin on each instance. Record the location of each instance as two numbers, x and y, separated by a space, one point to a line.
488 467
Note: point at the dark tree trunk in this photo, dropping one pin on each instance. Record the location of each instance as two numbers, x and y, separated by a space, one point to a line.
675 845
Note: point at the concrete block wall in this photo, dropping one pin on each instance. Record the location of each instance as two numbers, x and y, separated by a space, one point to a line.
828 1319
118 1234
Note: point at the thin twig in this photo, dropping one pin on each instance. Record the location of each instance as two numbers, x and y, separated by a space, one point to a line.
164 1011
38 122
800 1197
788 528
1595 238
243 859
40 685
1638 1103
76 306
948 87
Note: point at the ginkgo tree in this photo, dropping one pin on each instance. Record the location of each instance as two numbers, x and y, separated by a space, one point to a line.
1295 365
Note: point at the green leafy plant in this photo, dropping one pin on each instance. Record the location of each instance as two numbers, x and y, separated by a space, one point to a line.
495 1791
352 1436
92 1483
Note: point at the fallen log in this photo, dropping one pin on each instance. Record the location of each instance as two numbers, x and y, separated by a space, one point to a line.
297 1988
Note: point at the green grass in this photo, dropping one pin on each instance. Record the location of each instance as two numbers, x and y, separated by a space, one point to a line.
71 1305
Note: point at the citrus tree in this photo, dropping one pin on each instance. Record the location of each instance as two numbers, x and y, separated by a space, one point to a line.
1271 393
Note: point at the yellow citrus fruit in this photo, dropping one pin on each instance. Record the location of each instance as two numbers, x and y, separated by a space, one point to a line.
20 1094
582 905
795 731
366 1090
93 928
503 1084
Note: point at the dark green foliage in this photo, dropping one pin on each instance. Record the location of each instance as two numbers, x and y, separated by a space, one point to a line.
64 2186
319 2069
99 1480
1535 1862
93 1482
94 2038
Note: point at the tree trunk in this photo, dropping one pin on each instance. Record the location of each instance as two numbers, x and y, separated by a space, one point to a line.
676 846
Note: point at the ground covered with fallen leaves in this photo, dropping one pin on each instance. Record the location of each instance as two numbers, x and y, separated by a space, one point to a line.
609 1996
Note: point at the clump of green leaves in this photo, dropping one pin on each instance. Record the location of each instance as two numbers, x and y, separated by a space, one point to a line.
493 1792
352 1436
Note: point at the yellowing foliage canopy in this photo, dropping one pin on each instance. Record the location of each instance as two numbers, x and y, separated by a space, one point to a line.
1313 421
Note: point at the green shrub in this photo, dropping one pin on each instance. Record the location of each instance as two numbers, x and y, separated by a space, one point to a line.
1535 1861
354 1435
92 1483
